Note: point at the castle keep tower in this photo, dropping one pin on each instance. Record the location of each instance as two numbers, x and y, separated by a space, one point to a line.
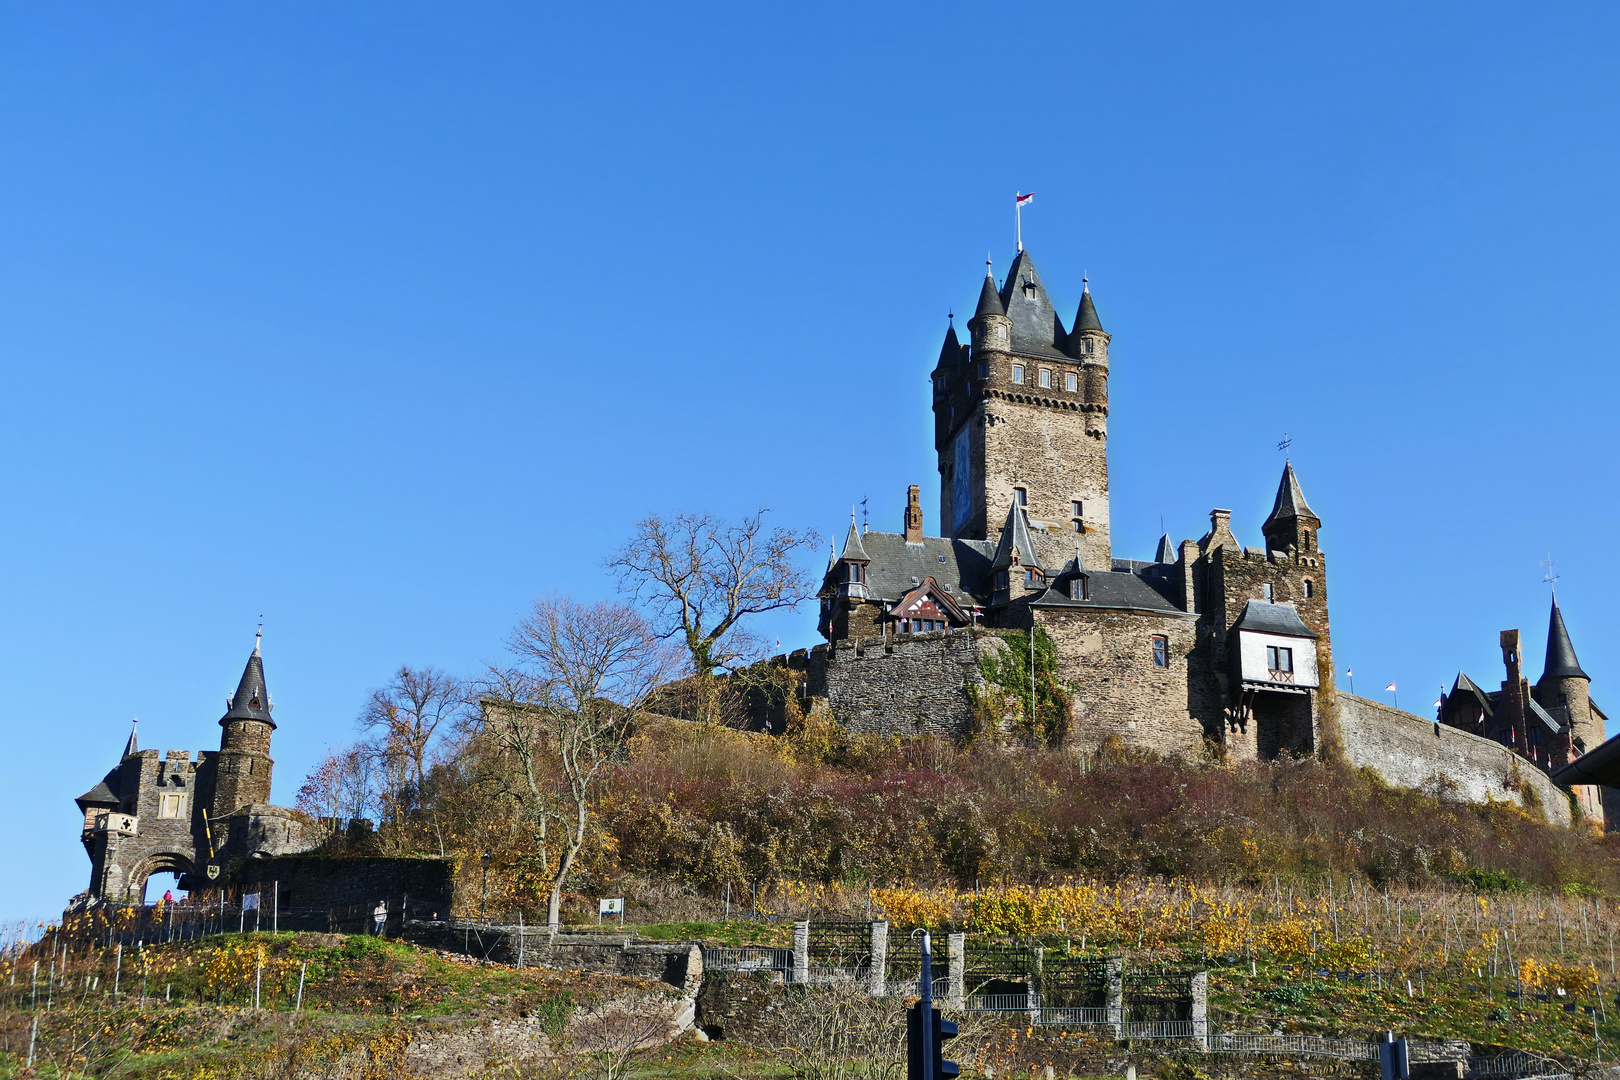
1021 415
1565 690
242 775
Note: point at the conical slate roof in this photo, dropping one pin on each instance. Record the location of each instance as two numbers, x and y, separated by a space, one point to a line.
989 300
251 700
950 353
1561 662
133 746
1036 328
1086 317
1290 499
1167 550
854 550
1015 534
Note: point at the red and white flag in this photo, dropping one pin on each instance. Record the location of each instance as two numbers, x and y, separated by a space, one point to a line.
1390 688
1023 200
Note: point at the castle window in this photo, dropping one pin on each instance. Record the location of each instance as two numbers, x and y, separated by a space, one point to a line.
1018 373
1077 508
1029 575
1161 651
1001 333
1078 589
1001 580
1279 659
1021 496
1070 382
172 806
984 370
1270 595
1308 589
1046 379
854 573
1088 346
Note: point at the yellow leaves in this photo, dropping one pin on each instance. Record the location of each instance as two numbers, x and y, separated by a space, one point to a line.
916 907
1574 979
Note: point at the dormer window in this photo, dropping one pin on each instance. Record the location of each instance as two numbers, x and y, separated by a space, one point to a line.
1080 588
1021 496
1029 575
1018 373
854 576
1029 289
1001 581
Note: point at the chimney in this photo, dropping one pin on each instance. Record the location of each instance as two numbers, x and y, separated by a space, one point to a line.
914 524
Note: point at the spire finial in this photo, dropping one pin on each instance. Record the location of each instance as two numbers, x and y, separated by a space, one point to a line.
950 318
1549 577
989 266
1284 445
258 635
1085 281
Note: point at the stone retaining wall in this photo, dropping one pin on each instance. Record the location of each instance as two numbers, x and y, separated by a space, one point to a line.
1411 752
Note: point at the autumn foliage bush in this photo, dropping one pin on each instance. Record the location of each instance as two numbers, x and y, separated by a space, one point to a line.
711 806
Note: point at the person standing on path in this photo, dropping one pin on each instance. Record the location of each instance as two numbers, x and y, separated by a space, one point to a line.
379 915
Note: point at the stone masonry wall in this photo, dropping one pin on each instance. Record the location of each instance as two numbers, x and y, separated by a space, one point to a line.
1109 654
913 685
1411 752
320 881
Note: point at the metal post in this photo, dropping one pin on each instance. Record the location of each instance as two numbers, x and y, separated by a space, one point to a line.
520 935
258 977
275 907
33 1034
118 968
925 1007
483 900
34 992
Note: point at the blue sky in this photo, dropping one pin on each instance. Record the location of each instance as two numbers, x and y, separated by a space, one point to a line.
380 320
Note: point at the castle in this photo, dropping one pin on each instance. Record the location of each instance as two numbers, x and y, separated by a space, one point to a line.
152 815
1211 642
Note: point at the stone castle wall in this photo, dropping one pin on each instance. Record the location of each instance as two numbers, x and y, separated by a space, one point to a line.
911 685
1109 654
1411 752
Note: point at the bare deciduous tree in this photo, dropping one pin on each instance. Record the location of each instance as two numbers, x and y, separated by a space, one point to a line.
341 788
701 577
583 672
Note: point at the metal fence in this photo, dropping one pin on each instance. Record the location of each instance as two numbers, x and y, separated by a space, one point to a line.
1350 1049
747 958
997 1003
1515 1064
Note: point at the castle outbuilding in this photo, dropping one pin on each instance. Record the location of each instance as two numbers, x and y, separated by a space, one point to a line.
170 813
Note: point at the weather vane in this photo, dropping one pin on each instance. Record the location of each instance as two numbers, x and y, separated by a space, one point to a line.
1549 577
1284 445
863 517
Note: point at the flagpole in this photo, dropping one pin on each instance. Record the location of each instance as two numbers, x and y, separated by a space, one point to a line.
1018 216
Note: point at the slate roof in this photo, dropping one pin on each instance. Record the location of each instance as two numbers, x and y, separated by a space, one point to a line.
1267 618
896 567
950 353
1036 328
853 549
1465 685
1544 716
1085 318
1167 550
133 745
100 795
1290 499
1015 534
989 300
1109 589
1561 662
251 700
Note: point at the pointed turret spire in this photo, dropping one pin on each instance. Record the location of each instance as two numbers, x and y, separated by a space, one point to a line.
251 700
854 550
1015 537
832 557
950 353
133 746
1290 498
1167 550
1086 317
1561 662
989 297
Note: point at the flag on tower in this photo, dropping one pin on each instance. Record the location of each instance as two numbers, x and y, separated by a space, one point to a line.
1024 200
1350 673
1390 689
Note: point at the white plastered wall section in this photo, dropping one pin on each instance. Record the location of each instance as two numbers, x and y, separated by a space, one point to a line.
1253 666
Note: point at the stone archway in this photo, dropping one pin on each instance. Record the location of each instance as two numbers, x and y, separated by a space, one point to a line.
161 862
